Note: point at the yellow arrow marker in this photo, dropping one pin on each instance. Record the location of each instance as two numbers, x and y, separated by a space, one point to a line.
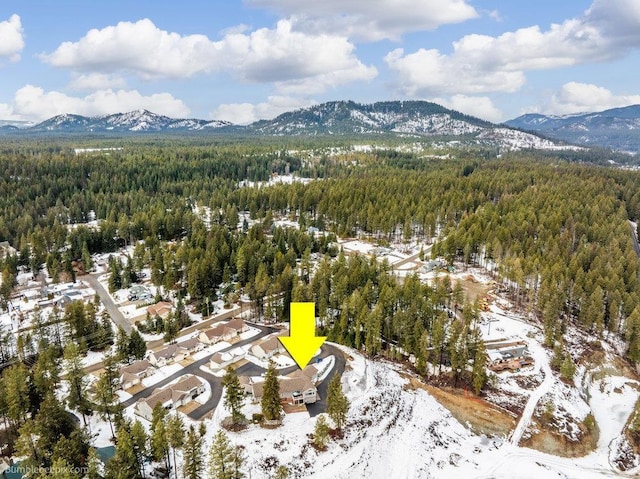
302 342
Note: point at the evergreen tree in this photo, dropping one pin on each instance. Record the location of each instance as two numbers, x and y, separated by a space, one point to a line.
221 457
234 395
137 346
479 372
60 469
140 440
107 401
77 397
124 464
281 473
321 432
160 442
93 465
193 462
337 402
175 436
568 368
122 344
270 403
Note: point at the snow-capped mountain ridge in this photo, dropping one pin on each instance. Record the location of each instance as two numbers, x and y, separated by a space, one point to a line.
336 118
133 121
617 128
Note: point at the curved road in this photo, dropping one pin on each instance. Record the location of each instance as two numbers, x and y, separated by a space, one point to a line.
249 369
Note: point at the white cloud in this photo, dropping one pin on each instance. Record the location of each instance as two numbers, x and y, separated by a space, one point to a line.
34 103
11 38
371 20
608 30
576 97
479 106
277 55
245 113
96 81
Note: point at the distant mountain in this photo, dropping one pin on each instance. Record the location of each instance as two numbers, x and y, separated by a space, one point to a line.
617 128
15 124
347 118
133 121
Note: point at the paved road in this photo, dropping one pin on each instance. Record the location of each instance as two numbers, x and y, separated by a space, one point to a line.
338 368
249 369
116 316
194 368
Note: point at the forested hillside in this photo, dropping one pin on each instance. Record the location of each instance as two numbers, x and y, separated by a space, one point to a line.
556 236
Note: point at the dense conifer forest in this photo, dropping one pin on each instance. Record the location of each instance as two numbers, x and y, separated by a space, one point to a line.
556 235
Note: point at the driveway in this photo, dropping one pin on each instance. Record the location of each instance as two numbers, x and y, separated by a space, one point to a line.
249 369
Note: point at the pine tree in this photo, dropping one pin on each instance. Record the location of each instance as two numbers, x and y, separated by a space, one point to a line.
221 457
479 372
122 344
271 406
124 464
568 368
193 463
337 402
107 401
160 443
282 473
175 436
234 395
77 398
93 465
140 440
137 346
321 432
61 469
86 258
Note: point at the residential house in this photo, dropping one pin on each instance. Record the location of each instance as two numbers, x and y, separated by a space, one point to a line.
511 356
192 345
239 325
172 396
134 373
170 354
293 390
161 309
221 360
223 332
268 348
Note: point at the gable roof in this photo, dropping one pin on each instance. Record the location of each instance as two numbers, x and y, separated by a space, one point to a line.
136 367
169 351
288 385
237 324
173 392
160 308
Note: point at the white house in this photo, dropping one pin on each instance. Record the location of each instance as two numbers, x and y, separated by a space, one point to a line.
170 354
134 373
267 348
171 397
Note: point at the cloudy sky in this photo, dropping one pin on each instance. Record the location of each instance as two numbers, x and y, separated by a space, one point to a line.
241 60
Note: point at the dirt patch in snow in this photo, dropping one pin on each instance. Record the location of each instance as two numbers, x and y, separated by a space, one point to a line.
472 411
553 442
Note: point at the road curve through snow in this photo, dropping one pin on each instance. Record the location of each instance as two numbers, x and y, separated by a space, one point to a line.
541 358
